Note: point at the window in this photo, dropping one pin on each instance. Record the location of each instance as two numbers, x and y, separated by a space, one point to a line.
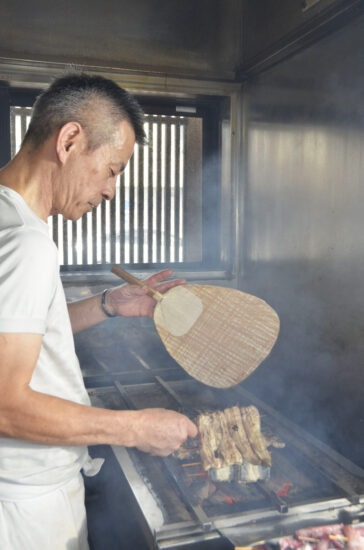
167 206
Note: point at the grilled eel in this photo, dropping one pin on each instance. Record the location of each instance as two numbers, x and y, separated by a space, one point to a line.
251 420
230 453
232 436
208 442
239 435
217 449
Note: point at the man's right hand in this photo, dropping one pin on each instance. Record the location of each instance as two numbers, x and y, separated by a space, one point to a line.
161 431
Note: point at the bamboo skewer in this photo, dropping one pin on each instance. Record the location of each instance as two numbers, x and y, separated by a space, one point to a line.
338 537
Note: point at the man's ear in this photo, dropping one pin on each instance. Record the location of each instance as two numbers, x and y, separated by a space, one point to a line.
70 135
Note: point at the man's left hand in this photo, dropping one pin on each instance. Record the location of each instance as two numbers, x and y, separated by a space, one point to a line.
132 301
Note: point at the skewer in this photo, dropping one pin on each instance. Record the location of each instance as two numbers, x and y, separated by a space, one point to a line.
306 539
258 543
188 464
338 537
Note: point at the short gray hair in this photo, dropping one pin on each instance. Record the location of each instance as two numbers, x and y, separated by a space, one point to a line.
98 104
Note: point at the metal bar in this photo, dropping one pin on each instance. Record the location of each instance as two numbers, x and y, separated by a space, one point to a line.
177 150
103 231
23 119
167 195
268 524
55 229
169 390
196 509
159 188
182 190
13 111
278 502
122 218
140 206
84 239
112 230
65 242
150 192
131 211
211 190
94 236
74 242
130 377
171 542
124 395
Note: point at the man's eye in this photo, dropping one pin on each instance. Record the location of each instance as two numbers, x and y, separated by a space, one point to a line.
112 173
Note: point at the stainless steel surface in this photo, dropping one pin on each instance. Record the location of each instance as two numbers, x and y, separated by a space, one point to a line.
170 510
275 30
147 36
302 245
245 533
144 497
308 4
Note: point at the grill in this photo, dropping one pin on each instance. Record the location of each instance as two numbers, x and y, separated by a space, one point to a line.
308 484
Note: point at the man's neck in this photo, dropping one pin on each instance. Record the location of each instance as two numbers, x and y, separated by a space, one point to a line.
30 176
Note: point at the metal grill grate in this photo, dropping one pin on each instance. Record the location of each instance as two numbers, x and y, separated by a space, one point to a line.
144 223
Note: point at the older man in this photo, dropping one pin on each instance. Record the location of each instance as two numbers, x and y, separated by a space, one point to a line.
81 136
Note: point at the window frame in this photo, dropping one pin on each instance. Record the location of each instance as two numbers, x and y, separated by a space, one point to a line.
212 110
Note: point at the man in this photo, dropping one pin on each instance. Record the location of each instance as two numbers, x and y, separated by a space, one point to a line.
81 136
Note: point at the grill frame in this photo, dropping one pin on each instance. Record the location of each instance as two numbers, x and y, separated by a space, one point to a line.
278 518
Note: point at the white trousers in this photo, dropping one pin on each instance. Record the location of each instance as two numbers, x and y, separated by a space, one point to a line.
55 521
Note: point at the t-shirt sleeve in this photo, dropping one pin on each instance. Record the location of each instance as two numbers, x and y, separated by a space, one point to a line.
28 277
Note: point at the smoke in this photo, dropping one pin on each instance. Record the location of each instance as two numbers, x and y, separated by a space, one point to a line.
303 235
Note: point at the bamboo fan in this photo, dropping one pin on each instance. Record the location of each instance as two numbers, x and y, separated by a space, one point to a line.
218 335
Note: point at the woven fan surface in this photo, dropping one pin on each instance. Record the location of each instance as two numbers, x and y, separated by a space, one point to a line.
233 335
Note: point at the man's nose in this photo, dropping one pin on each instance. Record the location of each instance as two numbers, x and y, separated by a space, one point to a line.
108 193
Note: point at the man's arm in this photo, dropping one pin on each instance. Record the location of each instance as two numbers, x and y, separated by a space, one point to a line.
125 300
30 415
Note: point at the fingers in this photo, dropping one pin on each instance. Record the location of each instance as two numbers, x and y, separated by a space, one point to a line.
161 432
165 452
192 430
163 287
158 277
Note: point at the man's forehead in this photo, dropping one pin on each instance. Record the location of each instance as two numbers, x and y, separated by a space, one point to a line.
125 130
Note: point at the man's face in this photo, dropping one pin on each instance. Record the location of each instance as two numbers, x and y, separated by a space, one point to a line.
88 177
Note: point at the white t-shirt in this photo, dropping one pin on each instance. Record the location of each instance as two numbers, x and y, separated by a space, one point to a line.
32 300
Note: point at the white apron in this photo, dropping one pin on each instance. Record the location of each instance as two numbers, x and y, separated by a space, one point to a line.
53 521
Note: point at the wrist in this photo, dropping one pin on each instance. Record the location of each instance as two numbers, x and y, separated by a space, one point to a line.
106 306
126 428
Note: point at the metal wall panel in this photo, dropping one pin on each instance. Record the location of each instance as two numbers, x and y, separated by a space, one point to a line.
271 27
303 233
173 37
